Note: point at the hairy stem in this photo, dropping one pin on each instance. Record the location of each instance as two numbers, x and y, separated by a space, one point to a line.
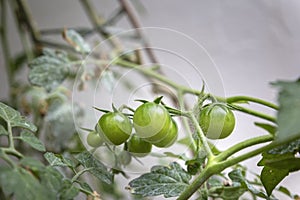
251 99
243 145
254 113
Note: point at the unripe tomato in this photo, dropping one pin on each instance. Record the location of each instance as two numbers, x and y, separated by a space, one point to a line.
171 137
151 121
115 127
217 121
93 139
138 146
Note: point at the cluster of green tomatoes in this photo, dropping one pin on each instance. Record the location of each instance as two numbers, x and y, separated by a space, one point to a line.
154 125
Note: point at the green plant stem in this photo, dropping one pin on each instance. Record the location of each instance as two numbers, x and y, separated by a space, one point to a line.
242 145
13 152
157 76
4 156
198 182
203 140
218 167
254 113
235 99
77 175
185 121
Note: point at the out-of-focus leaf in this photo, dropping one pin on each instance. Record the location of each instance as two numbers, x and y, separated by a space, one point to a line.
108 80
289 111
268 127
168 181
76 41
271 177
14 118
96 167
68 190
32 164
32 140
3 131
60 123
49 70
22 185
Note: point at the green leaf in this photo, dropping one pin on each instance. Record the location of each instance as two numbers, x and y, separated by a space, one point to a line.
49 70
54 159
271 177
60 122
169 181
21 184
14 118
76 41
108 80
292 147
237 176
268 127
68 190
32 140
97 168
3 131
289 111
286 161
32 164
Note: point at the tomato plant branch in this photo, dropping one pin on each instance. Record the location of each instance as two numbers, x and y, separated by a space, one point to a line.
156 75
185 121
242 145
235 99
80 173
253 112
198 182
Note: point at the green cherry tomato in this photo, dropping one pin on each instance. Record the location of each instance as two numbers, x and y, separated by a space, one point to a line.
138 146
171 137
94 139
151 121
115 127
217 121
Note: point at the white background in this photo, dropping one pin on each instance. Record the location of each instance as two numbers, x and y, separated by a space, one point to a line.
252 42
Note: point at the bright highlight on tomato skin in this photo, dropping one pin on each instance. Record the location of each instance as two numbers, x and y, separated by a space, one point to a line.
151 121
217 121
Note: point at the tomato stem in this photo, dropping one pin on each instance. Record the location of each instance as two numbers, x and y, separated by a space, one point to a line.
243 145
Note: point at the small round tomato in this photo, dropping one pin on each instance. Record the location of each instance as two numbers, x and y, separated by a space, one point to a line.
151 121
171 137
217 121
138 146
115 127
93 139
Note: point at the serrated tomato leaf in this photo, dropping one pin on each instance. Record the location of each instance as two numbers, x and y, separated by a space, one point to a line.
49 70
14 118
98 169
168 181
32 140
54 159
